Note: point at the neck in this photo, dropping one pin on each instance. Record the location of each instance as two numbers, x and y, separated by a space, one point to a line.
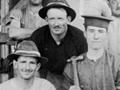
24 84
95 54
35 8
58 38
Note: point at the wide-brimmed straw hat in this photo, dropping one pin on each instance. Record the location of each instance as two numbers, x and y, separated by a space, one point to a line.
27 48
56 4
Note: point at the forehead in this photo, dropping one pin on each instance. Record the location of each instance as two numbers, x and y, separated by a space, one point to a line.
96 28
26 58
35 0
56 12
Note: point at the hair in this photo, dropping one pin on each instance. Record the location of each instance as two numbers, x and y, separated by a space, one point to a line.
85 27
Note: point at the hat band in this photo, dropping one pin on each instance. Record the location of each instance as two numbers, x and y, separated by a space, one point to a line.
28 52
96 22
57 3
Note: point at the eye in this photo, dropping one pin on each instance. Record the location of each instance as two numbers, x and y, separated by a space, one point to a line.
32 62
60 18
101 31
91 30
22 61
51 19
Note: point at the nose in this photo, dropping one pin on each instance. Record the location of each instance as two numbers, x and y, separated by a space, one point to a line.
96 36
56 23
27 66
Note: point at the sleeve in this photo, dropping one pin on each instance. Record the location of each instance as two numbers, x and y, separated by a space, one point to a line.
83 46
16 14
117 81
68 73
80 41
35 39
115 70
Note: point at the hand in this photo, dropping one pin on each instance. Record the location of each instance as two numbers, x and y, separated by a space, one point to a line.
74 88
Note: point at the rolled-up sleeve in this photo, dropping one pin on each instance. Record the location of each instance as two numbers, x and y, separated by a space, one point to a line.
68 73
117 81
16 14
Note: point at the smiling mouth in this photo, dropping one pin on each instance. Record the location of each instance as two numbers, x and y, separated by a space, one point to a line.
58 29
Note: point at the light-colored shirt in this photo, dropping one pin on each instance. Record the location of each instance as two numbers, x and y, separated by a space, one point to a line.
32 20
39 84
96 7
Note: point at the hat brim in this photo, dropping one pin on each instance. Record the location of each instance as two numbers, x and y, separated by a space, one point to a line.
98 17
70 11
42 60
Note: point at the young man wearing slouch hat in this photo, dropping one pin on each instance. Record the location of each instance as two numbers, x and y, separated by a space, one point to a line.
97 70
26 61
58 41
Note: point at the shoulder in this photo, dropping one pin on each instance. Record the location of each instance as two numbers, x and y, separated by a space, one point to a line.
16 12
76 33
109 54
4 85
112 59
41 30
78 36
43 83
75 29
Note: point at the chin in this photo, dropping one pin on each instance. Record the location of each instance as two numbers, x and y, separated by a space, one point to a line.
97 48
27 77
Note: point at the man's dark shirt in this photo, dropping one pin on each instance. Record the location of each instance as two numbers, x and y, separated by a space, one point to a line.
74 43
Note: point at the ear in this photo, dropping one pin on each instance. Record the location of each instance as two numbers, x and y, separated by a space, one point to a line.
38 66
46 19
15 64
85 33
69 18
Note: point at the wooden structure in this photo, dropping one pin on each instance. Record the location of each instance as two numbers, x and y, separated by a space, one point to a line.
5 12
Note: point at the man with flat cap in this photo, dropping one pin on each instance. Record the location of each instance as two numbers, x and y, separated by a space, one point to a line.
58 41
97 69
26 61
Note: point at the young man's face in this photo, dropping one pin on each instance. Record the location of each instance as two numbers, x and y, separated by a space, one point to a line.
57 20
96 37
35 2
26 67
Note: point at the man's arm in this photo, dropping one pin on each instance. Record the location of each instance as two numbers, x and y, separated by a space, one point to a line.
117 81
15 31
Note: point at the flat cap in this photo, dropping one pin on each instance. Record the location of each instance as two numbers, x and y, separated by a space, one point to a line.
98 21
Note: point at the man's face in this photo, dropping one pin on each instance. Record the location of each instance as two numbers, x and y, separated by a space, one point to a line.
35 2
96 37
57 20
26 67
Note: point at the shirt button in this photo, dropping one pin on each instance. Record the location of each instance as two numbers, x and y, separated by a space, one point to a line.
81 86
